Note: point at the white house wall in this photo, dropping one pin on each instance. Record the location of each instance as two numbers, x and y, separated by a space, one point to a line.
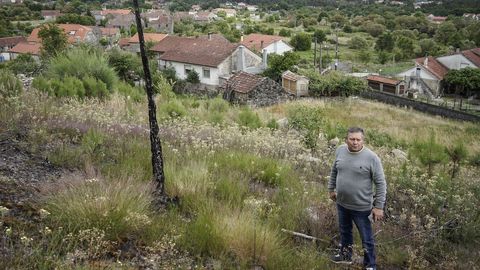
424 74
456 61
180 72
278 47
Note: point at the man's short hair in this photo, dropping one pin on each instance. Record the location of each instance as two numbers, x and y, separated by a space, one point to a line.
356 130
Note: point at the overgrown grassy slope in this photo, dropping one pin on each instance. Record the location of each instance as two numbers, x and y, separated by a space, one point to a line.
240 179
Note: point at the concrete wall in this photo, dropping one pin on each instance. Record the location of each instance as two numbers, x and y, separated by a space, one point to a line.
456 61
420 106
279 47
180 71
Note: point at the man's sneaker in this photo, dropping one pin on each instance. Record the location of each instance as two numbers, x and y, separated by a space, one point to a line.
344 256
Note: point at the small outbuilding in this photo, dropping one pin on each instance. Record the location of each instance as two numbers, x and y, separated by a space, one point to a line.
295 84
388 85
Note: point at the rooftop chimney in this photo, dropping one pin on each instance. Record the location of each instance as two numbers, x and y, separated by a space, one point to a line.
209 35
241 58
264 59
425 62
261 44
241 38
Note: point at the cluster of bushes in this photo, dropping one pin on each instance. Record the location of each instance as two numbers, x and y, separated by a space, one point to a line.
334 84
70 86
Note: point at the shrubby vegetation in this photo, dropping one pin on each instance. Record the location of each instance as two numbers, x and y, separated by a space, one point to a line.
334 84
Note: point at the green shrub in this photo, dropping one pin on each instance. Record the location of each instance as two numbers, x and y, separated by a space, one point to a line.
216 118
73 87
192 77
119 208
135 93
94 87
307 120
42 84
247 118
10 87
217 104
83 62
272 124
203 237
173 109
24 64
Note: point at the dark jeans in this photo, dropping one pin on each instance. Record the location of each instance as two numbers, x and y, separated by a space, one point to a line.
345 218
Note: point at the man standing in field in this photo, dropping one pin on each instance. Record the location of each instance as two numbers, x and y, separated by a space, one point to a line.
355 172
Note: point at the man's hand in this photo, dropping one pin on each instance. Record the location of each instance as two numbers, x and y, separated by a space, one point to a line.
377 214
333 196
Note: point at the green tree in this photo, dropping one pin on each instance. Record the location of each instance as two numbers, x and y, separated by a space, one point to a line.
385 42
465 81
428 46
457 154
445 33
301 42
277 64
429 153
406 46
320 35
24 64
54 40
308 121
357 42
192 77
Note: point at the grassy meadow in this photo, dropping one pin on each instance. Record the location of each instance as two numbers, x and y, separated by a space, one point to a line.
240 178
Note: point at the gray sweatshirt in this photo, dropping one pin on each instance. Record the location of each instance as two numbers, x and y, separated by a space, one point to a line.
353 177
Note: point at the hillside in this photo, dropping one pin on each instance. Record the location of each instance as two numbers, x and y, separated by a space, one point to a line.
86 197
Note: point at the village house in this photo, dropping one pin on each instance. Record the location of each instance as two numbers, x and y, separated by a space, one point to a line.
392 86
33 49
7 43
109 34
75 33
271 43
133 43
122 21
295 84
159 20
229 12
251 89
110 13
428 73
213 57
436 19
50 15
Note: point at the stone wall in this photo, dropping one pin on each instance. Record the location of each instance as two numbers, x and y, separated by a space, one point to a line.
268 92
420 106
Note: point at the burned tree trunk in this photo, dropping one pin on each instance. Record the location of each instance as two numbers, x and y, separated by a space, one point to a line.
155 145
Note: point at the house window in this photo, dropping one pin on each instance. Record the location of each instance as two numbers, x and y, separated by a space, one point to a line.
188 69
206 72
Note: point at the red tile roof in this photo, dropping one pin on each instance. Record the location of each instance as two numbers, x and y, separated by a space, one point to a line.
109 31
243 82
115 11
254 41
50 13
197 51
24 47
11 41
381 79
149 37
473 55
74 32
292 76
433 66
123 42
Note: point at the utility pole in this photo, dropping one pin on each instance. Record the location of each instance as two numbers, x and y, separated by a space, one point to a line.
315 54
155 144
336 46
321 64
